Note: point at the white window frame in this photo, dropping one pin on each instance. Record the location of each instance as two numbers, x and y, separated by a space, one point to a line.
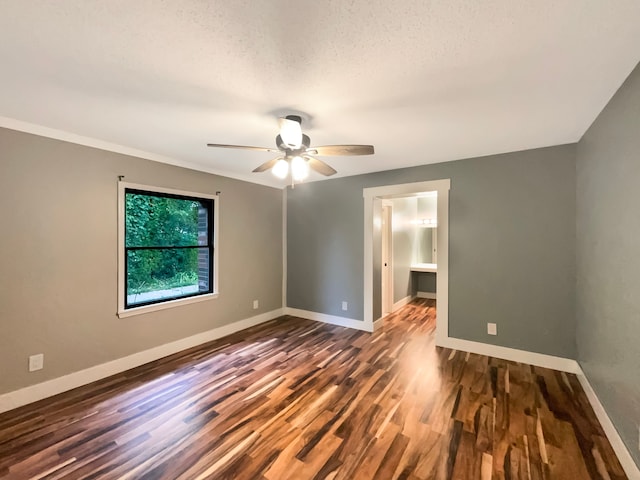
128 312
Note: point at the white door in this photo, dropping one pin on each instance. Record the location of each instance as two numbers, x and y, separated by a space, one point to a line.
387 276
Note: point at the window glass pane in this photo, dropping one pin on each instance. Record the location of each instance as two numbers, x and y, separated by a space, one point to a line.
166 273
168 246
159 221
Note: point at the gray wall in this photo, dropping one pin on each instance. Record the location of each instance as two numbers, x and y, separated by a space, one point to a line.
425 282
512 246
404 244
608 259
58 257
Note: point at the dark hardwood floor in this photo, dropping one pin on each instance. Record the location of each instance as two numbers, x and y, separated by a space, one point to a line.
295 399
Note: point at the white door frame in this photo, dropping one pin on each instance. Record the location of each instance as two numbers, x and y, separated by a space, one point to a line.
373 205
387 273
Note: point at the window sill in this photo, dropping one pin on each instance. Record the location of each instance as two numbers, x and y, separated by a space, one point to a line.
130 312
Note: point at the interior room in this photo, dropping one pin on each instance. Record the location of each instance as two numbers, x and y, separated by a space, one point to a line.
319 239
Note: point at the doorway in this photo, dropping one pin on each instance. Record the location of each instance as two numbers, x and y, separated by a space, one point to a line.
373 213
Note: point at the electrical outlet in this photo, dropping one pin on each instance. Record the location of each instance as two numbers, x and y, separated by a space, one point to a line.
492 329
256 304
36 362
345 306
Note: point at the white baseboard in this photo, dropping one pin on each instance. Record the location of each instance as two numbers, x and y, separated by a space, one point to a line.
627 462
33 393
401 303
378 323
521 356
426 295
331 319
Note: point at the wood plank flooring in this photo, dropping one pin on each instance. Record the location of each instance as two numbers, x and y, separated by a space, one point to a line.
295 399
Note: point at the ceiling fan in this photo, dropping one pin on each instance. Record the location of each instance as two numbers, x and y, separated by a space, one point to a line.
296 153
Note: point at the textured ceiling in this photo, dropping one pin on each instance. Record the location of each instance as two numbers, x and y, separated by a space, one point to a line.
423 81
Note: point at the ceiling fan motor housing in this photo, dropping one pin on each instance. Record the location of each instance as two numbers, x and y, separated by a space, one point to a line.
306 141
295 118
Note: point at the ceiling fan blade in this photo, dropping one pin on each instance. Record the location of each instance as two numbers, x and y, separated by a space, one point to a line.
243 147
291 131
266 165
320 167
331 150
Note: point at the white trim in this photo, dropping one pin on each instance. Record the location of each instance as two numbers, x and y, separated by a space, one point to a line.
122 312
374 195
386 231
284 246
33 393
401 303
368 258
408 189
434 245
130 312
32 128
424 267
378 323
331 319
442 278
431 295
627 462
520 356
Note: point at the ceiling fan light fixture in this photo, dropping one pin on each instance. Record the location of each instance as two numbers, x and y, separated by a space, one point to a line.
281 168
299 169
291 133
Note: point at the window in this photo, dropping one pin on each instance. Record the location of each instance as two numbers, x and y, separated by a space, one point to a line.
167 248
